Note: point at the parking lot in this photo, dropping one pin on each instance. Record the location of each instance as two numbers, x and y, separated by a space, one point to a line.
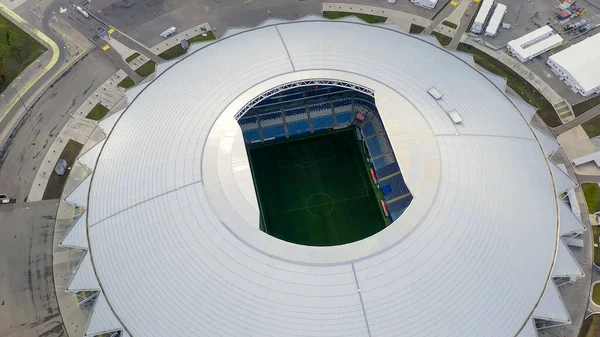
526 16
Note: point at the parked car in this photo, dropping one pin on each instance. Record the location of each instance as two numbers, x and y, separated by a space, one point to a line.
4 199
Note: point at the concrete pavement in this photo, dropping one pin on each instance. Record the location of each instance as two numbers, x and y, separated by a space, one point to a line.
33 138
27 293
586 116
401 19
78 128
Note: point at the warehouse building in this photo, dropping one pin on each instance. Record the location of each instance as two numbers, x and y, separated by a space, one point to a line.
579 66
535 43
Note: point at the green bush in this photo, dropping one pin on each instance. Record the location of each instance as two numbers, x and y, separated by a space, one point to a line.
132 57
126 83
146 68
98 112
365 17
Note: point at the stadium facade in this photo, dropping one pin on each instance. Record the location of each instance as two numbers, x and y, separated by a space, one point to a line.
171 217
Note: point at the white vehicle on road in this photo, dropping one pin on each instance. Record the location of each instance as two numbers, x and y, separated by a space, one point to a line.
4 199
168 32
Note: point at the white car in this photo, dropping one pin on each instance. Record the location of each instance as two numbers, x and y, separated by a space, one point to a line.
4 199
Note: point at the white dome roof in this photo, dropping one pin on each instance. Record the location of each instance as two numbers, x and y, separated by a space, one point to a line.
171 206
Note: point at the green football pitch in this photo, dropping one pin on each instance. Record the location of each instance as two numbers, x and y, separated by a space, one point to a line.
315 190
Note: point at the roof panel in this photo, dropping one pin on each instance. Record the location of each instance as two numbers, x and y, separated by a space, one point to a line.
84 277
581 61
102 318
77 236
79 196
551 307
569 223
565 265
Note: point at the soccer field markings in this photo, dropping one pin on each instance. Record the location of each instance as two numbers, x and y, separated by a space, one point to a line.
334 201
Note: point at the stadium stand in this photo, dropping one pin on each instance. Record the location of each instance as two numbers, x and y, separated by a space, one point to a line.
303 111
249 126
297 120
272 124
321 115
378 145
342 108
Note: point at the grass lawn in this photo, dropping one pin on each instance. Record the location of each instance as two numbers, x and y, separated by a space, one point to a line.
146 68
592 127
516 82
590 327
17 51
584 106
315 190
132 57
449 24
56 183
177 50
365 17
98 112
442 39
415 29
126 83
596 293
591 192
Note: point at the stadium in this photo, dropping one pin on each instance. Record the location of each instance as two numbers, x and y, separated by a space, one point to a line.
322 178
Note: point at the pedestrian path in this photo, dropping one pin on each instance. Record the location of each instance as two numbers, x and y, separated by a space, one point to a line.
564 111
399 18
79 129
177 38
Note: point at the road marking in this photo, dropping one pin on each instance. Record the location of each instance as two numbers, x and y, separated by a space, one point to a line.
106 47
111 30
41 36
454 3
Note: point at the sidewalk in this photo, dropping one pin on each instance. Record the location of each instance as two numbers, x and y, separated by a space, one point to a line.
77 128
176 39
401 19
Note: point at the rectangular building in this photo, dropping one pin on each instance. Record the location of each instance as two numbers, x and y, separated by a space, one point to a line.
482 16
495 20
425 3
579 66
535 43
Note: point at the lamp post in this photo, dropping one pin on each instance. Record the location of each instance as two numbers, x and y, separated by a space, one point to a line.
20 98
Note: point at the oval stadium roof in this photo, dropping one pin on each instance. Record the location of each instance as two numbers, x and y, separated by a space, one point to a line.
171 210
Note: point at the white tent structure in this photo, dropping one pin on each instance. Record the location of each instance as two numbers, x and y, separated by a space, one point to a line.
170 220
579 65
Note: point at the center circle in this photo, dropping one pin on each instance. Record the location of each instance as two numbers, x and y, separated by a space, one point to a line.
320 205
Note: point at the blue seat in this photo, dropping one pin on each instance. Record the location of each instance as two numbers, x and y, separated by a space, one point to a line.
396 208
322 122
298 127
251 135
383 161
386 170
344 117
378 145
274 131
398 186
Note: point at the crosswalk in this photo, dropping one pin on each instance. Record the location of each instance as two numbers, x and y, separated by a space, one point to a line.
563 109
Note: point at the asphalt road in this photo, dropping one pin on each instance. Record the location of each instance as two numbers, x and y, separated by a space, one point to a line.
28 306
47 118
19 109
